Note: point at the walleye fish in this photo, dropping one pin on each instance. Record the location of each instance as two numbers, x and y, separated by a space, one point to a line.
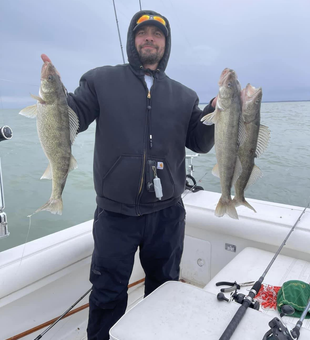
229 135
57 127
257 137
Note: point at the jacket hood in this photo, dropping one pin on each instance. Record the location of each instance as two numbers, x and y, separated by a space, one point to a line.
132 53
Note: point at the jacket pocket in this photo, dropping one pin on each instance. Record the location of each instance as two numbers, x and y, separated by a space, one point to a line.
164 174
122 181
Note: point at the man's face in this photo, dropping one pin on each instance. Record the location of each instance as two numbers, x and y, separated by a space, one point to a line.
150 43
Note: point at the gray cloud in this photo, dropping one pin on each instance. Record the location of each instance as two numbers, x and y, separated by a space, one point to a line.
264 41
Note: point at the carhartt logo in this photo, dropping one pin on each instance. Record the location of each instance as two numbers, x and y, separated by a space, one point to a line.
160 165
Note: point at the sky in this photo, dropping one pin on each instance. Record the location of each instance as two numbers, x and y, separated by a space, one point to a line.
265 41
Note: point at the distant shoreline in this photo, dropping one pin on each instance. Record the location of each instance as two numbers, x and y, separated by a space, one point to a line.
266 101
275 101
285 101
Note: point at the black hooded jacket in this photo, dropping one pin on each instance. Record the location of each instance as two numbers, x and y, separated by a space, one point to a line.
137 137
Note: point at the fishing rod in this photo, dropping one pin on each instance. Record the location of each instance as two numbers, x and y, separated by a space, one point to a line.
119 34
296 330
66 312
62 315
248 300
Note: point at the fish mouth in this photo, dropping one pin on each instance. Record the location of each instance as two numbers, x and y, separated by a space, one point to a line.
47 68
44 70
252 93
251 101
227 76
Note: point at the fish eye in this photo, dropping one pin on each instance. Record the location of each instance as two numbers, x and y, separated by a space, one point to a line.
50 77
229 85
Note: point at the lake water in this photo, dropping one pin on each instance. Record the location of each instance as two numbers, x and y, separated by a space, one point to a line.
285 165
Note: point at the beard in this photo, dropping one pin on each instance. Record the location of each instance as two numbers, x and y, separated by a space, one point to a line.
148 57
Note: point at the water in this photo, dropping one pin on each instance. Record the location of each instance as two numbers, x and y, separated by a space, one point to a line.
285 165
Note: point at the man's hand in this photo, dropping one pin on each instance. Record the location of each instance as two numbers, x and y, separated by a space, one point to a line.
213 104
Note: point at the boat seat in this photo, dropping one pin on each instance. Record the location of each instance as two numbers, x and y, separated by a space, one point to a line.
250 264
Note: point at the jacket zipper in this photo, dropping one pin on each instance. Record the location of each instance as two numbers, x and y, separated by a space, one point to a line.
149 107
143 170
150 144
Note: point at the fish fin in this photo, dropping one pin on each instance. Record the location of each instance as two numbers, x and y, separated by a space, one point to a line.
262 141
238 201
241 131
210 118
53 205
215 171
73 164
237 172
39 99
47 173
29 111
73 123
226 207
255 175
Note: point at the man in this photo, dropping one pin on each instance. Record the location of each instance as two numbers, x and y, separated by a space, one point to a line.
144 121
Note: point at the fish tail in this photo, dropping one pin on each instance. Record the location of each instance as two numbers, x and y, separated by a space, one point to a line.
52 205
226 207
241 201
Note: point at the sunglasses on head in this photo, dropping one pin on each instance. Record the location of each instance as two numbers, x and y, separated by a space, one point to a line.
146 17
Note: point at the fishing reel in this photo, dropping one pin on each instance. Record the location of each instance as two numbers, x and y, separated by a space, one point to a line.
5 133
278 330
234 295
239 298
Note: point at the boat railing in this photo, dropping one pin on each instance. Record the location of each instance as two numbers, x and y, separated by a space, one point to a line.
191 183
5 134
190 164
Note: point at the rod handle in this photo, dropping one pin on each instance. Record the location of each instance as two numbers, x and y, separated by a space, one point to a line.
235 320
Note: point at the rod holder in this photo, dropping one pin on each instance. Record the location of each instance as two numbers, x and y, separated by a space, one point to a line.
191 165
4 232
6 133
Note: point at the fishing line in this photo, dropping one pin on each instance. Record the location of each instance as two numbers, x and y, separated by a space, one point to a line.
24 247
17 82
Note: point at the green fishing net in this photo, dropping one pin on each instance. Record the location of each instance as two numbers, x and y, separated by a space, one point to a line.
294 293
